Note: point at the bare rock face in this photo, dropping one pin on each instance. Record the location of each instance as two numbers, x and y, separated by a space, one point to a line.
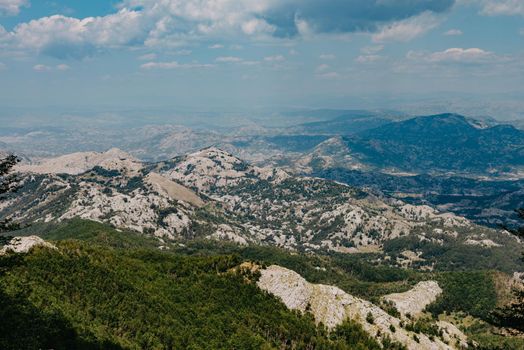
331 306
415 300
174 190
24 244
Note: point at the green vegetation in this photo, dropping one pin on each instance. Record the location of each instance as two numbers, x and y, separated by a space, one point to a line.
8 183
512 315
87 296
89 231
455 256
471 292
108 288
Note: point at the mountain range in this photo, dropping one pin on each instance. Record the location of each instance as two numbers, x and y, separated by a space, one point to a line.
212 194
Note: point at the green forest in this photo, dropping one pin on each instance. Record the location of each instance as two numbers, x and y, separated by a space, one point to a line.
109 289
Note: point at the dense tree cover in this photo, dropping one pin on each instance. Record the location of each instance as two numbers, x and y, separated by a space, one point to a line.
471 292
195 262
512 315
456 256
88 296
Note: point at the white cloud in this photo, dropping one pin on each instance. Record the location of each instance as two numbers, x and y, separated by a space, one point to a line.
2 66
229 59
257 26
327 56
458 55
408 29
12 7
276 58
453 32
173 65
174 23
502 7
368 58
216 46
62 36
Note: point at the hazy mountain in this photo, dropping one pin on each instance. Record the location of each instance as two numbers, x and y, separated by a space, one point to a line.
445 143
347 122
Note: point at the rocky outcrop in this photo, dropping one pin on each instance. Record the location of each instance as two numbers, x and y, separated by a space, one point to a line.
331 306
414 301
24 245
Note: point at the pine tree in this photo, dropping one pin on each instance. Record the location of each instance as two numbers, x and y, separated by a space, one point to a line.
8 183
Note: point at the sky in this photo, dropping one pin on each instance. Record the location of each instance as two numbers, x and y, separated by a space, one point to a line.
220 54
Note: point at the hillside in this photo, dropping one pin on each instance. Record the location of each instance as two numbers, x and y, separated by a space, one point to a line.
443 143
486 202
112 289
213 195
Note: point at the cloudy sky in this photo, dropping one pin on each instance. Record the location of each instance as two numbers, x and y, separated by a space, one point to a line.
242 53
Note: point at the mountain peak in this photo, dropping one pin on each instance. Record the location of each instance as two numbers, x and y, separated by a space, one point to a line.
80 162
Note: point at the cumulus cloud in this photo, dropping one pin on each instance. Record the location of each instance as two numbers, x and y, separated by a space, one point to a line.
173 65
65 37
12 7
408 29
453 32
171 23
458 55
346 16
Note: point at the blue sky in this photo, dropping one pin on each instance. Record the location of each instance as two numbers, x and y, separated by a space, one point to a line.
252 53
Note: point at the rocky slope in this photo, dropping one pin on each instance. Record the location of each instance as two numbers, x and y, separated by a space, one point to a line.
331 306
212 194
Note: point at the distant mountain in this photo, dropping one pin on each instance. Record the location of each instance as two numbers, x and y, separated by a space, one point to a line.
441 143
348 122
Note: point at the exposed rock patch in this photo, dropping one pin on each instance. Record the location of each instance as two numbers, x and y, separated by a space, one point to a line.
24 244
174 190
415 300
331 306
